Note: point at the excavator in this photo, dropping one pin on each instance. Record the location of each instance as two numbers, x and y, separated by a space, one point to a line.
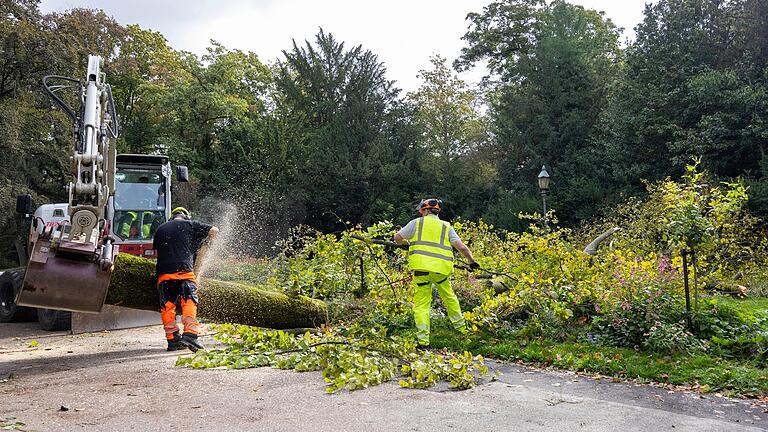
115 203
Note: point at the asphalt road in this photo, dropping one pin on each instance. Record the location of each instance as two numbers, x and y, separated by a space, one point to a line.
125 381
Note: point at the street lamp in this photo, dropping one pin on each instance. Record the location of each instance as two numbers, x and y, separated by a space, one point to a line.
544 189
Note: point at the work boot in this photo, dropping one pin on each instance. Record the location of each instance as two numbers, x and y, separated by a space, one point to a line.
189 340
175 343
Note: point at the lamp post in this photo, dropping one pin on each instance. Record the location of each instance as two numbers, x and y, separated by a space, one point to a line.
544 189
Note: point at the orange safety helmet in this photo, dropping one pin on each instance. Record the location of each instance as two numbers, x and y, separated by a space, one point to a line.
429 203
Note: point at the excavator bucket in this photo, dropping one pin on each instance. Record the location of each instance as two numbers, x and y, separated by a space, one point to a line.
68 279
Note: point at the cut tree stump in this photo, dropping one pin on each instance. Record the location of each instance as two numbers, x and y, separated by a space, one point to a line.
134 285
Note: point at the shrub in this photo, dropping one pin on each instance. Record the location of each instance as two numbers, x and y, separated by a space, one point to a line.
734 331
667 338
696 213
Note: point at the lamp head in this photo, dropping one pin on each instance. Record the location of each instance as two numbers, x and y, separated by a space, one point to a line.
543 179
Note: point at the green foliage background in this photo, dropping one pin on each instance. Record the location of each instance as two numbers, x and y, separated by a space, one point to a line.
537 297
320 143
323 135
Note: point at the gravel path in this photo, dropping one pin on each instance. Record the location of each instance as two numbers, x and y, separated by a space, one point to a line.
125 381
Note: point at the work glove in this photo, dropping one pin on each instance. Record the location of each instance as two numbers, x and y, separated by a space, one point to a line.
474 265
400 246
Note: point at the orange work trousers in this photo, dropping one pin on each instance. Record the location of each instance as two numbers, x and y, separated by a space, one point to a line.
174 290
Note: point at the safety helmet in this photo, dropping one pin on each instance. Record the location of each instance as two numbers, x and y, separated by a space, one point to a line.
429 203
182 211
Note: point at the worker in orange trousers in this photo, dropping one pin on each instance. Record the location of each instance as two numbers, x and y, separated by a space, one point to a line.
181 244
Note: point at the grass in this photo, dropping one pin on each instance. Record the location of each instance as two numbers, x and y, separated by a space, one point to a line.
752 306
703 372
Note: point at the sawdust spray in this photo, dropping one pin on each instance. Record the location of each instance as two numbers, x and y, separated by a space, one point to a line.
249 226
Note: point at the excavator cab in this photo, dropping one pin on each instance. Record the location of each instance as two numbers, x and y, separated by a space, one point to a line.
142 201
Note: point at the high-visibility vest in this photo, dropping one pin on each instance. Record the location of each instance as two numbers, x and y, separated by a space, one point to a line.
430 249
125 228
146 226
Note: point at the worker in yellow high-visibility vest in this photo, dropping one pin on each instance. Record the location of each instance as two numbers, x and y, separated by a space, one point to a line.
430 258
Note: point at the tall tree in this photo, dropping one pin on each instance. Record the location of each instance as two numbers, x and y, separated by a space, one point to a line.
556 63
142 75
219 89
695 85
35 138
502 34
344 101
454 143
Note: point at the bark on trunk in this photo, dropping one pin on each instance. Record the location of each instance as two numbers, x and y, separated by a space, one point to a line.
133 285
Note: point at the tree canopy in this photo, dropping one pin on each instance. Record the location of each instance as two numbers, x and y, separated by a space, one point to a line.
323 135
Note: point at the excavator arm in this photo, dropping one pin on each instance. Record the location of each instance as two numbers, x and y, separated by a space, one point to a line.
70 265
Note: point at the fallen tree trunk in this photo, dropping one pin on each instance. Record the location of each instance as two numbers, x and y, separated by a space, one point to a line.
133 285
591 248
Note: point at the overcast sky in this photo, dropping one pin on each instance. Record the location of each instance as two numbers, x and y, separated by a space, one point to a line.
403 33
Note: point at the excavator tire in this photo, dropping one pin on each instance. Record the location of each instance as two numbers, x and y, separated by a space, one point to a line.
10 284
54 320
